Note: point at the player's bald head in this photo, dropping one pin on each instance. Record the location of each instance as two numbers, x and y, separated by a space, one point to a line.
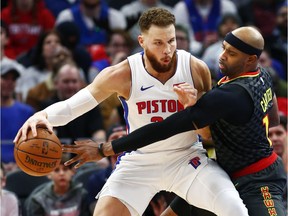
246 39
250 35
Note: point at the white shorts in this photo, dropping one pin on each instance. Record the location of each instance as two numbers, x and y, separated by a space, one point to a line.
138 177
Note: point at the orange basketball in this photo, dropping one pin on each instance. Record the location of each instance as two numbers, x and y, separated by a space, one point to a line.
38 156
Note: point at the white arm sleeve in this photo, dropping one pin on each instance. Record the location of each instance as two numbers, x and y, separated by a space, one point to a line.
63 112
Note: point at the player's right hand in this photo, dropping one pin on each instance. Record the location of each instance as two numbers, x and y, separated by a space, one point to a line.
187 94
38 119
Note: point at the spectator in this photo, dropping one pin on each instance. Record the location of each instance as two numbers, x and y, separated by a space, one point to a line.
200 17
94 19
13 112
120 45
26 20
226 24
182 38
3 41
133 11
275 68
278 48
61 196
42 62
45 89
70 37
67 82
9 201
278 137
266 60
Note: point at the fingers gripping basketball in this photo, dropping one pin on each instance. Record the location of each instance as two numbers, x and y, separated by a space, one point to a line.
38 156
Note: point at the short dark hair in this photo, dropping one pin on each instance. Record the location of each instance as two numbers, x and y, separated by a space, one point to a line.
155 16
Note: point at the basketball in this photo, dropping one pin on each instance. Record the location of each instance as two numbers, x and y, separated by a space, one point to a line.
40 155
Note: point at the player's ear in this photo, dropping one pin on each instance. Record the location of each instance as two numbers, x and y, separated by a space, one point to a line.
140 40
252 59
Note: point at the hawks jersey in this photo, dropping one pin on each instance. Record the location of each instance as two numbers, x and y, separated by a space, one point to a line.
152 101
241 145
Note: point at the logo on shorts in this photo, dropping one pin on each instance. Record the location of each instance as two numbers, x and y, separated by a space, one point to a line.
195 162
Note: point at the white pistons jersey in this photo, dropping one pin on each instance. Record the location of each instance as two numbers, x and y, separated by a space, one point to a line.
151 101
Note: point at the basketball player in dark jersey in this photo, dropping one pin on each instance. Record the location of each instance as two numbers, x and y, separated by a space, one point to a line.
239 110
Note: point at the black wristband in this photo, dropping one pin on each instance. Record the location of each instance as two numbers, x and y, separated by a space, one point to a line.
100 150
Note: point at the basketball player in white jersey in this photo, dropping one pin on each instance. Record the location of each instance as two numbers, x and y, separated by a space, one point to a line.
144 83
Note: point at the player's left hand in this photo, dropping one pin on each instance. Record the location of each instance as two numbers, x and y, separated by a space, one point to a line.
86 150
187 94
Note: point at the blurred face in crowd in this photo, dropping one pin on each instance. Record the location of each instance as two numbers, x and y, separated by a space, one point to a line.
182 40
278 136
265 60
159 44
281 19
67 81
117 44
8 83
61 177
51 43
61 54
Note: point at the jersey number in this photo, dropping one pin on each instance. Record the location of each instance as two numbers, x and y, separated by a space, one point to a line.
156 119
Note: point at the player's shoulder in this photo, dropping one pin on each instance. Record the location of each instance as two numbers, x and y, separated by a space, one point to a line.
200 73
120 69
197 63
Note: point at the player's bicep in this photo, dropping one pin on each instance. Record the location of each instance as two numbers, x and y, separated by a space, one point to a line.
201 76
107 82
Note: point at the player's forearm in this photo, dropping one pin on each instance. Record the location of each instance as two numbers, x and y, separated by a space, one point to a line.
63 112
148 134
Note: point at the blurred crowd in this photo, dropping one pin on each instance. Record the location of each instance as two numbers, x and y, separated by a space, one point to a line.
49 51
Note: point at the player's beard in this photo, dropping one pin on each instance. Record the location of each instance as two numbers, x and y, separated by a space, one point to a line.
158 66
